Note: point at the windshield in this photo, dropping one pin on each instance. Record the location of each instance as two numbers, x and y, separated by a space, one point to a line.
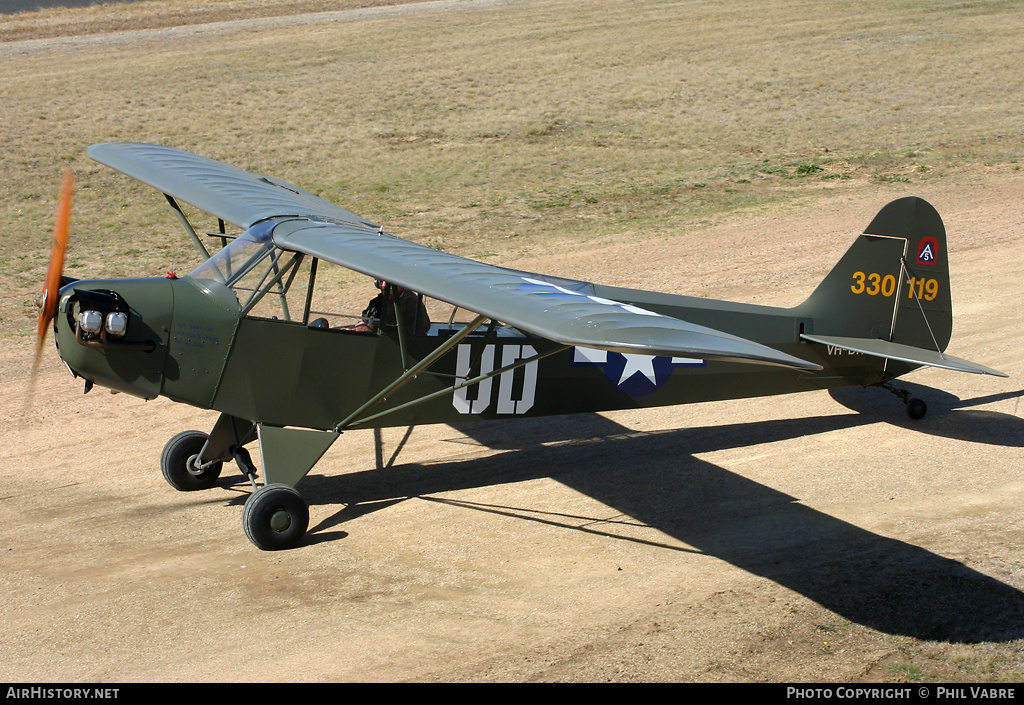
237 259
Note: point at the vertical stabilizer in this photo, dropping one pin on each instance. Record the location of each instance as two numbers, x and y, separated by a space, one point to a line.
893 282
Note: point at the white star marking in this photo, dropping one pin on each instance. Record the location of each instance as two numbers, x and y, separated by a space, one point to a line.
638 364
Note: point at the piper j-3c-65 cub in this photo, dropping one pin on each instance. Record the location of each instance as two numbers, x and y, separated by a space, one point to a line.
244 333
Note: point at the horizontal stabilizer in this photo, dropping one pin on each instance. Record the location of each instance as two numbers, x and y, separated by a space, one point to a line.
903 353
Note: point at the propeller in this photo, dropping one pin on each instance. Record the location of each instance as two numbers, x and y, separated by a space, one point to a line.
61 228
48 301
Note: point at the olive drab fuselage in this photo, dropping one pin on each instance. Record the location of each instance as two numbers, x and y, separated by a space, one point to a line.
286 373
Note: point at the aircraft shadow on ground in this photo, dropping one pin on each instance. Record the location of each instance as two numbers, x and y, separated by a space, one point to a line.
948 415
868 579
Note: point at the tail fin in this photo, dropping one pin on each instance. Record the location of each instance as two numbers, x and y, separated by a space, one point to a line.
892 284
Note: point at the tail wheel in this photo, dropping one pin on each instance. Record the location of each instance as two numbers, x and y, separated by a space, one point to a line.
178 463
916 408
275 517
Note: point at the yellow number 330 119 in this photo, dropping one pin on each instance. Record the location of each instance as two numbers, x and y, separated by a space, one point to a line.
874 284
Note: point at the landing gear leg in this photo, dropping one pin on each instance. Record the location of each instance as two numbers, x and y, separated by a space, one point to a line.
275 515
245 464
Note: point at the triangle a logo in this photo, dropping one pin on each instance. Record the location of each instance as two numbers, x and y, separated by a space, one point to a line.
928 251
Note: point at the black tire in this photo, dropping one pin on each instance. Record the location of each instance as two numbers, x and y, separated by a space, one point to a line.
916 408
275 517
178 455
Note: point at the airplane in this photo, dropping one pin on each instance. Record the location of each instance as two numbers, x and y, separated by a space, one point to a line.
246 334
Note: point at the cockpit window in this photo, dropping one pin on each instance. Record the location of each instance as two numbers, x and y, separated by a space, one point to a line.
264 281
259 274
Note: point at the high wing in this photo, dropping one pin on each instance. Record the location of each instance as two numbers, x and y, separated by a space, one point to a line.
227 192
565 311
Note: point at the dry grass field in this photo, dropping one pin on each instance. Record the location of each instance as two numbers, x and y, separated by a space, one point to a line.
726 149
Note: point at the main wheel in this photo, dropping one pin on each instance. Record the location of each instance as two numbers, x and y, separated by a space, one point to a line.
177 463
275 517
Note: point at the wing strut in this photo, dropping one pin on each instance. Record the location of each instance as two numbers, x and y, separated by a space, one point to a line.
188 227
411 374
356 417
468 383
